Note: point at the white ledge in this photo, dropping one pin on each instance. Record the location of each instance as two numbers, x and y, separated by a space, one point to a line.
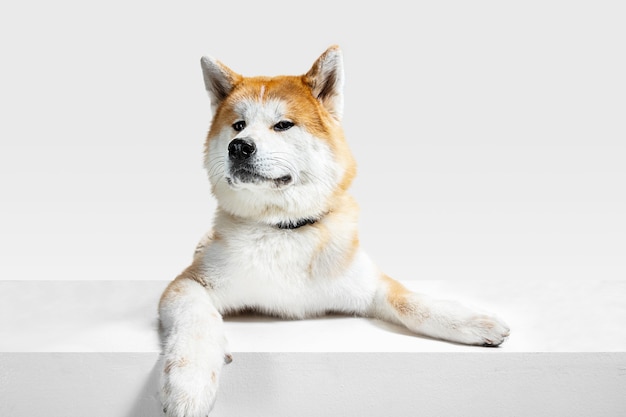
94 345
121 316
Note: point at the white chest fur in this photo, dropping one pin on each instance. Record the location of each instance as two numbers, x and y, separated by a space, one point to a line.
296 273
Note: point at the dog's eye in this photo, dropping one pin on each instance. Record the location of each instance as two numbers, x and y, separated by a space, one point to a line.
283 125
239 126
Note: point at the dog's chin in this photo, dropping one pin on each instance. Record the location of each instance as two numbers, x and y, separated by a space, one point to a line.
247 179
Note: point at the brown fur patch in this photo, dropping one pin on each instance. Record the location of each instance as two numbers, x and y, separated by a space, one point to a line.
350 251
324 238
205 242
176 363
354 245
345 250
175 289
399 298
197 272
302 108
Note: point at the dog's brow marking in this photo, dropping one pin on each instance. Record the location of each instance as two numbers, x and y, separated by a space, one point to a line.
262 92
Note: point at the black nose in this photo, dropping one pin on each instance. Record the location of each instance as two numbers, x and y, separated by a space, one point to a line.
241 149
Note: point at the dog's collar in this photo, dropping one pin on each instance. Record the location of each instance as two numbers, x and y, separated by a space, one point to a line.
290 225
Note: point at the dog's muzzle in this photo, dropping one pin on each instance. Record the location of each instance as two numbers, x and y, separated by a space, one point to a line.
243 170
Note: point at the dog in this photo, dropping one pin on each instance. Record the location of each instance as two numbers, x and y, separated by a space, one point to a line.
285 236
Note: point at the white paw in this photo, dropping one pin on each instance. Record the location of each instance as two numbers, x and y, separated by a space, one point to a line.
188 389
457 323
483 330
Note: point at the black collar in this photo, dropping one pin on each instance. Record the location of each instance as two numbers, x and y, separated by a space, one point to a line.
290 225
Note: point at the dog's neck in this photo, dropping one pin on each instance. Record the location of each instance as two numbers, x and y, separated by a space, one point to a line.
290 225
287 224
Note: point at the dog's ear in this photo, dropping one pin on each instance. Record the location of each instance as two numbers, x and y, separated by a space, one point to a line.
219 80
326 81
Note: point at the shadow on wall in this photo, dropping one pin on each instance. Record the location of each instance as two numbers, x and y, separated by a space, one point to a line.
148 403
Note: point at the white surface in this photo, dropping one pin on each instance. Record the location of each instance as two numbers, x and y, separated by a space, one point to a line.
76 348
326 384
117 316
489 135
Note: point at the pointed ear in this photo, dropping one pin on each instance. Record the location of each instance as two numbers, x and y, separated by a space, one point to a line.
326 81
219 80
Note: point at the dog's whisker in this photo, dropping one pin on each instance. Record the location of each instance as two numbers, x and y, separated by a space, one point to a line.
288 165
216 164
216 158
213 170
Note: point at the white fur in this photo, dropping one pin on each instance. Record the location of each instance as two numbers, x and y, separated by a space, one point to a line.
248 262
269 269
298 153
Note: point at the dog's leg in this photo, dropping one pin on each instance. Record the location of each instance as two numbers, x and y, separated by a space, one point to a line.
441 319
194 347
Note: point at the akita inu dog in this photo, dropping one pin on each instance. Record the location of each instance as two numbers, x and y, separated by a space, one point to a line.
284 240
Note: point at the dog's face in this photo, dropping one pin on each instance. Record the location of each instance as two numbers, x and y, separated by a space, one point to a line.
276 151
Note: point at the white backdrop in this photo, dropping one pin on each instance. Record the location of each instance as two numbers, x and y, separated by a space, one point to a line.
490 136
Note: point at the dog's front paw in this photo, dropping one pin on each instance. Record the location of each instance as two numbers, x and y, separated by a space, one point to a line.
188 389
484 330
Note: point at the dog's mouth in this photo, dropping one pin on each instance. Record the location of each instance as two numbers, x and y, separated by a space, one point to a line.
246 175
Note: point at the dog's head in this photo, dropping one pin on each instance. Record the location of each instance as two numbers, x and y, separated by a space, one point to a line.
276 151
